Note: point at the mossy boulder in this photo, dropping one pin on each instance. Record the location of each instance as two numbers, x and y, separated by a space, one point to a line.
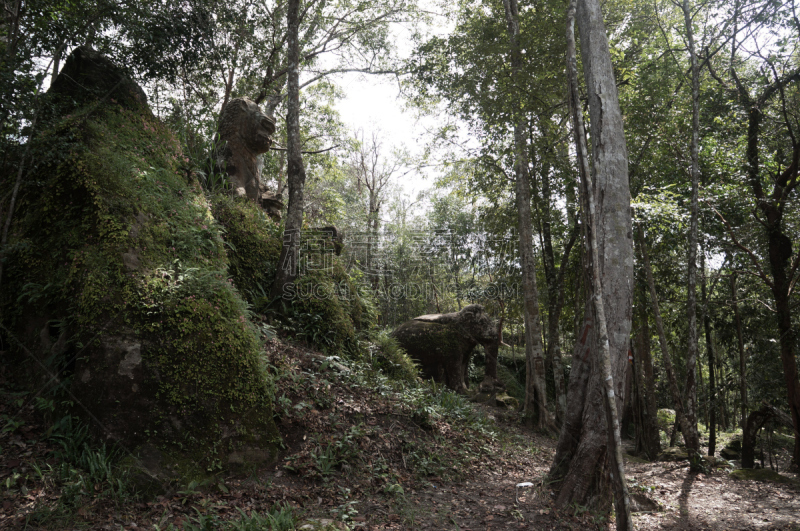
328 308
665 419
116 290
761 474
253 245
673 453
389 357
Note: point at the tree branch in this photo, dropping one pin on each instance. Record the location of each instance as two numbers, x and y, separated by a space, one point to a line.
750 253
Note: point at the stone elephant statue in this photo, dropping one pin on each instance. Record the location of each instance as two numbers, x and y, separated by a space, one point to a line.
442 344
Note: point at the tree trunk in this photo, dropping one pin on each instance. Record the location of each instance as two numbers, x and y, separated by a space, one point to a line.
712 385
295 172
779 252
754 423
740 344
57 62
555 299
692 438
628 406
680 417
589 448
648 439
779 248
535 390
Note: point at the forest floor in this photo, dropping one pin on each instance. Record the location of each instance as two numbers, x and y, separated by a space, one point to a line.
361 453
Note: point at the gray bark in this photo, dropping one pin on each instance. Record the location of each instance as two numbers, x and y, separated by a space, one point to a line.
589 448
648 439
295 173
712 385
535 390
680 417
740 345
692 438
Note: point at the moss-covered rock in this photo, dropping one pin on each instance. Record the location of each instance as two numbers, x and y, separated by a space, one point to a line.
328 308
390 358
116 280
665 419
761 474
253 244
673 453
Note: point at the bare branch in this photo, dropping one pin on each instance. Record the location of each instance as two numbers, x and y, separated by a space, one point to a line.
750 253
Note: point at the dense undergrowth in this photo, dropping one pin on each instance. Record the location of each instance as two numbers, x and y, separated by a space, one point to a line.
350 428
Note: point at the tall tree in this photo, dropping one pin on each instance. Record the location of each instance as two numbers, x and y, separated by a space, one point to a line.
296 173
772 182
535 390
740 348
647 432
373 172
690 391
588 452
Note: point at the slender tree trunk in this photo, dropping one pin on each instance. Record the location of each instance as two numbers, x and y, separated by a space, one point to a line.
643 369
722 402
740 345
712 385
680 417
15 191
56 62
779 248
692 438
629 406
555 299
779 251
535 389
295 173
589 448
555 348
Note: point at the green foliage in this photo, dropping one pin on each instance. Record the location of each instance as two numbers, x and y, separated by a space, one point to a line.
279 518
115 241
391 359
253 245
327 308
431 403
82 472
512 377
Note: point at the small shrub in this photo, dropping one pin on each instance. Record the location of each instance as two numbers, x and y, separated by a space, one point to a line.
391 359
513 386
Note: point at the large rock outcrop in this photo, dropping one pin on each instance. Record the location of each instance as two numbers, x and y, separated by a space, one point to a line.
116 287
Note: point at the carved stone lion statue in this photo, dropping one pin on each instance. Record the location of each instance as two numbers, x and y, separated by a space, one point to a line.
245 132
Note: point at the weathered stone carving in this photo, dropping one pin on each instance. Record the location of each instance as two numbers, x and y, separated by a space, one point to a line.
245 133
271 203
443 344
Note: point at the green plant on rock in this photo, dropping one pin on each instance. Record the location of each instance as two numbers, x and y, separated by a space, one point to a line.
119 248
391 359
327 309
253 246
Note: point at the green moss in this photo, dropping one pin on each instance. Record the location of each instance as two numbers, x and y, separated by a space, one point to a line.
253 245
111 240
328 309
391 359
513 386
666 419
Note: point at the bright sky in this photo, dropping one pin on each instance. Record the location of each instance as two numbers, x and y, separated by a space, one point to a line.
374 103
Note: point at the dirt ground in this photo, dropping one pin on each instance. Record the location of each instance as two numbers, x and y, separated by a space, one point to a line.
393 472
